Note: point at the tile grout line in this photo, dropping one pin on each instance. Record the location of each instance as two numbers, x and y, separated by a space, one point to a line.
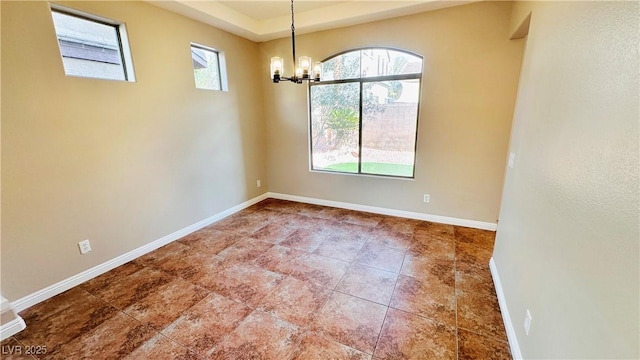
478 294
158 332
210 293
303 329
375 347
21 344
389 305
175 342
353 263
392 293
333 290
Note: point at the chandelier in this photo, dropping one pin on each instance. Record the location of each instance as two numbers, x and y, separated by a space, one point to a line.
305 71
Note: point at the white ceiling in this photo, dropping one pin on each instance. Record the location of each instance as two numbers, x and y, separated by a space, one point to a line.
264 10
271 19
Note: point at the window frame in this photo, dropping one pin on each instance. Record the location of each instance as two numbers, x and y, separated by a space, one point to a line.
121 37
361 81
220 65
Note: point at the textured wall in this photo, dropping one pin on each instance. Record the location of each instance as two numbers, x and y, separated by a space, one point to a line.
121 164
468 92
567 244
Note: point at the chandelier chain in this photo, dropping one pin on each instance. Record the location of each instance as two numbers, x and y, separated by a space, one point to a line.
293 40
293 28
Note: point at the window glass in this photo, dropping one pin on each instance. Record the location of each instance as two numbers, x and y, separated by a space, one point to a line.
364 113
381 62
335 127
89 48
345 66
206 68
389 121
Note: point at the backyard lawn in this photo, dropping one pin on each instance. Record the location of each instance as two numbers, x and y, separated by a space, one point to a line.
374 168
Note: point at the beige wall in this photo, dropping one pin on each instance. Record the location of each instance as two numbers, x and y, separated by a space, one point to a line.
121 164
468 92
567 244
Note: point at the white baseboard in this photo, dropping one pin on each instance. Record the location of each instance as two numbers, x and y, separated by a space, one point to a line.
4 304
392 212
12 327
66 284
506 318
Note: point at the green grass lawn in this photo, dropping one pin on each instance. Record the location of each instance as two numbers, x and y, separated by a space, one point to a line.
374 168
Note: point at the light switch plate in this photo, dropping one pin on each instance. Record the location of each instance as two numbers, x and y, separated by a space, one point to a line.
512 160
527 322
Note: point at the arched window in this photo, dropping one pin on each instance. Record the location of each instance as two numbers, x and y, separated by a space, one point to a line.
364 113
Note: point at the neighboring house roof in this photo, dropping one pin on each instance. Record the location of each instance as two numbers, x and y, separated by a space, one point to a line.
412 67
199 58
85 50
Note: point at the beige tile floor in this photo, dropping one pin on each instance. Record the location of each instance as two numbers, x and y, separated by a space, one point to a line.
285 280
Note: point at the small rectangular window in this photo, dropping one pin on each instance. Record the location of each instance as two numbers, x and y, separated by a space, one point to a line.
92 47
208 68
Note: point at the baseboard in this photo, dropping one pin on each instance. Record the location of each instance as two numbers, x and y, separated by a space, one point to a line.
66 284
392 212
12 327
4 304
506 318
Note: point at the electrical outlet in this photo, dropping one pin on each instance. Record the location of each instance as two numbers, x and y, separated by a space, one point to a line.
426 198
85 246
527 322
258 183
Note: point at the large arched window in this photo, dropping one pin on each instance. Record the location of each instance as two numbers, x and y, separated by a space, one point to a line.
364 113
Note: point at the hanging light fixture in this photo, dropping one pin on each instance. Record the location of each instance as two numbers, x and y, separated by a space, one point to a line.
305 71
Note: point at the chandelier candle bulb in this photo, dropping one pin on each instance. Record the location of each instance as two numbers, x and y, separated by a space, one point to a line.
317 69
277 64
305 64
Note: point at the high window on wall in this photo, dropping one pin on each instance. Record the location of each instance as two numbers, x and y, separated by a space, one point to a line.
364 113
208 68
92 46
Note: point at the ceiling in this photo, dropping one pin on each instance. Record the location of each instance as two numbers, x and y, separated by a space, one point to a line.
264 10
271 19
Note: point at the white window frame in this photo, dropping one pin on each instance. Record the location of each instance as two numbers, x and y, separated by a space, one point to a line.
362 80
121 32
222 66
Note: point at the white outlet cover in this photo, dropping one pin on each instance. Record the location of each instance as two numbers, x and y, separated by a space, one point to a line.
527 322
85 246
258 183
426 198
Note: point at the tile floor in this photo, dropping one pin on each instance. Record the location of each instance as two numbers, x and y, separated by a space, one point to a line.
285 280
